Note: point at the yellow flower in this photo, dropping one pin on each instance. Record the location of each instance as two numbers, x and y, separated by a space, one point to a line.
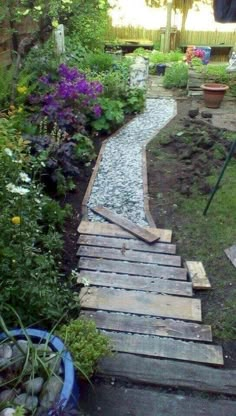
22 90
55 23
20 109
16 220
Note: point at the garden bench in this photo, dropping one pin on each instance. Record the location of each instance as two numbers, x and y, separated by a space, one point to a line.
128 46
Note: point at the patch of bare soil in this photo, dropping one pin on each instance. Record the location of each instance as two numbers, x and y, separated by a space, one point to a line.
180 160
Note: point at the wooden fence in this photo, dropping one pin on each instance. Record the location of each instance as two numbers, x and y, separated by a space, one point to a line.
6 44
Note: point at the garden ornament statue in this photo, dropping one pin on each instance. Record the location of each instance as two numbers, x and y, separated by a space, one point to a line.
232 62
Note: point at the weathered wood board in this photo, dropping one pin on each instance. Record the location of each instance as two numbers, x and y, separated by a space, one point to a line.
126 244
129 255
169 373
112 230
110 400
149 325
198 275
231 254
153 346
126 224
138 269
124 281
117 300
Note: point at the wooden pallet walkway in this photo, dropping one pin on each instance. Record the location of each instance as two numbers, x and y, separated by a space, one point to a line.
139 294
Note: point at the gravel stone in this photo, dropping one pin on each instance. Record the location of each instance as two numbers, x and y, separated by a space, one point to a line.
119 183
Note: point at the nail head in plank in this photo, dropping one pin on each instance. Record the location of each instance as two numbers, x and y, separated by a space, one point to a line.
138 269
126 224
149 325
129 244
124 281
117 300
151 402
231 254
129 255
153 346
112 230
169 373
198 275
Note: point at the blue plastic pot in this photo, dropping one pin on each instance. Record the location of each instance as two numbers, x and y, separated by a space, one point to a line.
207 53
161 69
69 396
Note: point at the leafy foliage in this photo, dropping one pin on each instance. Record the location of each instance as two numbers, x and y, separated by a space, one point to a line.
29 245
112 114
85 343
176 76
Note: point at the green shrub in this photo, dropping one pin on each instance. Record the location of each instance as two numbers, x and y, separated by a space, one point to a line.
30 242
84 150
157 57
85 343
112 115
134 100
176 76
99 62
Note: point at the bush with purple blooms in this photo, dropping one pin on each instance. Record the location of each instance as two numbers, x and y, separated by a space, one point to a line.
70 101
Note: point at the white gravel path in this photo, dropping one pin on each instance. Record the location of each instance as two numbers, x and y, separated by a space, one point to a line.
119 183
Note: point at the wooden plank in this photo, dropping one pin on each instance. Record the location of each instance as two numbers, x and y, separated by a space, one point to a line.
124 281
198 275
127 244
117 300
169 373
129 255
166 348
115 400
137 269
112 230
126 224
149 326
231 254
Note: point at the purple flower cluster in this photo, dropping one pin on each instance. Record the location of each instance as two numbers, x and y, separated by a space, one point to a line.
69 98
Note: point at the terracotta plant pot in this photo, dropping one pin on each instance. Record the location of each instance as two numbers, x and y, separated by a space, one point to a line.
213 94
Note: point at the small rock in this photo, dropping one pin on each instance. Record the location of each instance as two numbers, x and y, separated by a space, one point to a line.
28 401
54 362
7 395
50 391
8 411
34 386
193 112
19 351
206 114
5 354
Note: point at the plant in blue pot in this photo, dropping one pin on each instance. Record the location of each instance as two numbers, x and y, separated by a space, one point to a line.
37 374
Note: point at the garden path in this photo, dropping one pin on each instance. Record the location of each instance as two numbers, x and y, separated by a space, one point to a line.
140 296
118 184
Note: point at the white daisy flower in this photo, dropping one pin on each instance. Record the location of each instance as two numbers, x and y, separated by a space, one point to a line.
8 152
24 177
